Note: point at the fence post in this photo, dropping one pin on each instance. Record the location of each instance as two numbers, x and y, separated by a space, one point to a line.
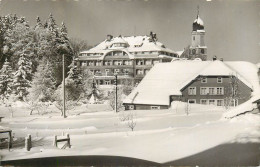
29 141
55 141
27 144
68 137
10 140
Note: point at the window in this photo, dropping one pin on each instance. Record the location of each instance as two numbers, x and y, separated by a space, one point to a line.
108 63
106 70
234 102
220 91
107 82
126 62
146 71
98 63
204 80
140 62
125 71
139 72
118 62
193 38
148 62
155 107
155 61
203 101
131 107
193 51
192 91
211 102
91 63
211 91
220 102
219 80
192 101
203 91
116 71
202 51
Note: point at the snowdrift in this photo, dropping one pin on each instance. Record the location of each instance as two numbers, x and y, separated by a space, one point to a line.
248 106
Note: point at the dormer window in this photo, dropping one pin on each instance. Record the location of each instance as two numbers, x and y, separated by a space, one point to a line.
204 80
219 80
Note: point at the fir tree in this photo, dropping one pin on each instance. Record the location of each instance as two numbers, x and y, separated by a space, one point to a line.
6 81
22 77
38 23
74 74
43 84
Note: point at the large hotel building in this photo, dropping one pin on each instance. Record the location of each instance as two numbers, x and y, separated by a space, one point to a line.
129 57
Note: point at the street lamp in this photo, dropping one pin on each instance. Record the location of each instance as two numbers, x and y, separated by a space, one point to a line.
63 86
115 82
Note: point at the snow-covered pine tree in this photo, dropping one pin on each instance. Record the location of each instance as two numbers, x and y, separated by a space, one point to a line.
22 77
38 23
19 40
43 84
7 23
59 46
75 74
6 79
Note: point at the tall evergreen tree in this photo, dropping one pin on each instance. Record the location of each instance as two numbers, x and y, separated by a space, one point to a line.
22 77
6 81
43 84
75 74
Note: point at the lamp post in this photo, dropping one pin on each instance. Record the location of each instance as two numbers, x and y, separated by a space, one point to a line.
115 82
63 86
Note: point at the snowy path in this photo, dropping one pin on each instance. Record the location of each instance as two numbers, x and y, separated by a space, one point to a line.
160 136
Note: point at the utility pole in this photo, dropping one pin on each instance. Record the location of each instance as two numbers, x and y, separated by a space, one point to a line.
63 86
115 93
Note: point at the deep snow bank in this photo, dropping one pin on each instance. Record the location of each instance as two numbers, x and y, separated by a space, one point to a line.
242 108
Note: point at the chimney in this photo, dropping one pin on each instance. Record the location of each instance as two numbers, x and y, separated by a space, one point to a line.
151 34
154 36
109 37
214 58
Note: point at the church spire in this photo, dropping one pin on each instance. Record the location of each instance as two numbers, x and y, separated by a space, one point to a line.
198 11
198 23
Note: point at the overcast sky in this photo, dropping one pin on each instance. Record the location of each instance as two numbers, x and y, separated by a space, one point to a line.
232 26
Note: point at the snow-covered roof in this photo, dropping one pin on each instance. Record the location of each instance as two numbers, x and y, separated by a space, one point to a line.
166 79
4 129
258 65
134 44
199 21
180 52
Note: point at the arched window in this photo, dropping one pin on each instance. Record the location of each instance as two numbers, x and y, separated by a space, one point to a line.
193 51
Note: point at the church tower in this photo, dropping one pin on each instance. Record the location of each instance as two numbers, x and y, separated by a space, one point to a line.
198 49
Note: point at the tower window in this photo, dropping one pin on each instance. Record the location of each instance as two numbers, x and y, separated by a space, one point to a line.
193 38
193 51
202 51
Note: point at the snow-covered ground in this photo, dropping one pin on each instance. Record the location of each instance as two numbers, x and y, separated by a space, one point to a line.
160 135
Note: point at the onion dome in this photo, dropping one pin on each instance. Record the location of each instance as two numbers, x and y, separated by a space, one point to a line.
197 24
